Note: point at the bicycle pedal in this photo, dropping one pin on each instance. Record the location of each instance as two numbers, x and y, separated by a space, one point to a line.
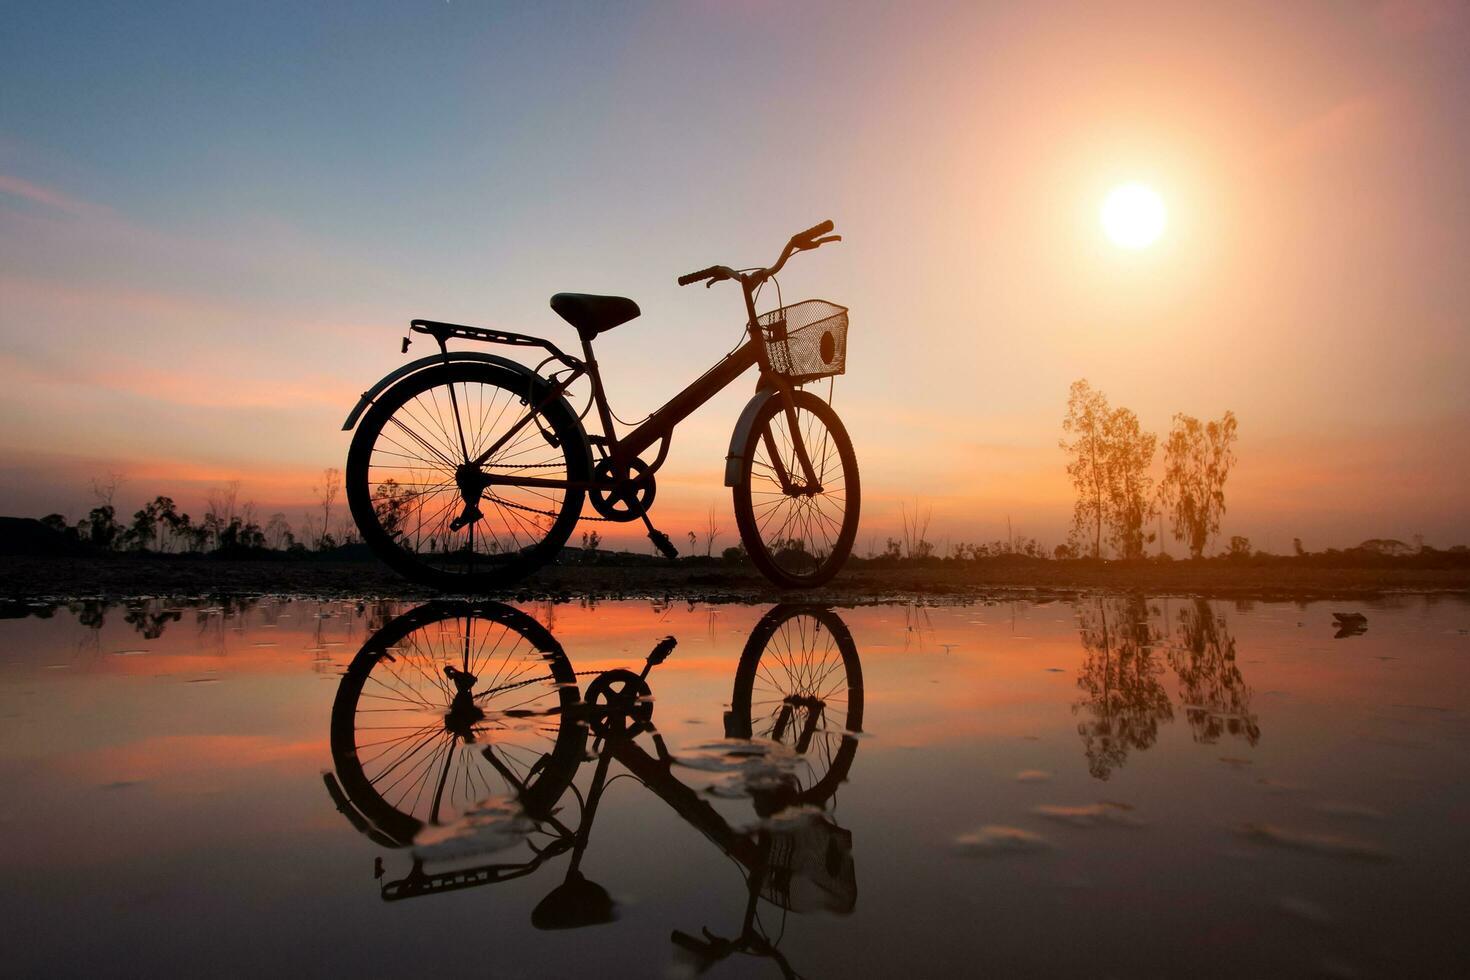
662 651
662 543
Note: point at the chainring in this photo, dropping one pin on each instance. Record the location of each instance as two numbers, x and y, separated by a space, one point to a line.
618 704
622 492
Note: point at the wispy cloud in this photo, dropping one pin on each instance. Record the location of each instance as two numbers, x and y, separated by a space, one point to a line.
35 193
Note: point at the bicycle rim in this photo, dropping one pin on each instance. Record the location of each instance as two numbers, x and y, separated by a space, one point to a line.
401 476
801 540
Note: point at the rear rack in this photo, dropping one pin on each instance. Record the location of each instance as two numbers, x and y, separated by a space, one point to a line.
485 335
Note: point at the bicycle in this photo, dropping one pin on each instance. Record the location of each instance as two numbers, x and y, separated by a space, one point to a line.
469 470
479 702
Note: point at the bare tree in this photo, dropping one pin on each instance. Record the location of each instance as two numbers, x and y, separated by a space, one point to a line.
100 525
310 534
1086 422
1197 461
326 495
711 532
277 532
104 488
915 531
220 501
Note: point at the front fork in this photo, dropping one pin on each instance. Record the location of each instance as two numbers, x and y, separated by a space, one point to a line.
809 486
786 391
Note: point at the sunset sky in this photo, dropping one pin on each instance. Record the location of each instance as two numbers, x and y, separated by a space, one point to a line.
216 221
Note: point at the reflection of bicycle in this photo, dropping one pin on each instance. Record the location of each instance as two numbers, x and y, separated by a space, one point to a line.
469 470
455 703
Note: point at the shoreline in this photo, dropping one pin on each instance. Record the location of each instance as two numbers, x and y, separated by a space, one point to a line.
29 580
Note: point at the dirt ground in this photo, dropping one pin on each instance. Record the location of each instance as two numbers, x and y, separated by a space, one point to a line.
123 577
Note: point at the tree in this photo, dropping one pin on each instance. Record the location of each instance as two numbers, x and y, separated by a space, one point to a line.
916 543
1197 461
391 504
144 530
711 532
221 502
277 532
326 495
171 523
1129 453
1086 422
57 523
102 527
149 524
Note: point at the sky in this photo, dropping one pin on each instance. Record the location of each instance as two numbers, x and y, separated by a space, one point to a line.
217 219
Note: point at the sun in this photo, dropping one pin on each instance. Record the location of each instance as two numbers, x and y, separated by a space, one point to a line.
1133 215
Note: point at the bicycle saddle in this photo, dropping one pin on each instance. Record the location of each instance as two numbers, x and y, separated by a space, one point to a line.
590 314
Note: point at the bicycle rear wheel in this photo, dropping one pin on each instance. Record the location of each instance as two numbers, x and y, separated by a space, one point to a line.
408 458
798 537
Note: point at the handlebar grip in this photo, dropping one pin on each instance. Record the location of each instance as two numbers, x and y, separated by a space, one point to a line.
697 276
816 230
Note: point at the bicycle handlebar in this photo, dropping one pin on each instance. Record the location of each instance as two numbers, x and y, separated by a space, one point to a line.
800 242
814 231
709 273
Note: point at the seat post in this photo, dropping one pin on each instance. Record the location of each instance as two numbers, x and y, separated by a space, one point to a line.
598 395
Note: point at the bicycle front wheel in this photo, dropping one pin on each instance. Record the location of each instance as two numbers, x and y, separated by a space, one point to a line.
798 535
412 459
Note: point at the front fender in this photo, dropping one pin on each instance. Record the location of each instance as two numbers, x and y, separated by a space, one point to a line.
371 395
735 458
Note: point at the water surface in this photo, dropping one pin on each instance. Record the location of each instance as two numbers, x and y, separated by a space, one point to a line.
1106 787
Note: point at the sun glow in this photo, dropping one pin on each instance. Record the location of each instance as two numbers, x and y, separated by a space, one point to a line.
1133 216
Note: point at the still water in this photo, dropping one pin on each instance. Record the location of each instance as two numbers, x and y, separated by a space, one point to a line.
1106 786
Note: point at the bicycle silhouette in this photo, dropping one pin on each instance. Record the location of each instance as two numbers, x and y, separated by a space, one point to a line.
459 713
469 470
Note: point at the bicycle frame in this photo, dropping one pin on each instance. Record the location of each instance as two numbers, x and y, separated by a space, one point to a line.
659 426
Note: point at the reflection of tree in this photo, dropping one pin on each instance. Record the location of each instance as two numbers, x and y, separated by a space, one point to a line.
148 619
1216 698
91 613
1124 696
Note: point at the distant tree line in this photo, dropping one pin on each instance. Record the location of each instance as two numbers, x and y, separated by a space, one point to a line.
228 524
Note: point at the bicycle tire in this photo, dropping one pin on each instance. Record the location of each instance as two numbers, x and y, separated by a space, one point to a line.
777 560
471 567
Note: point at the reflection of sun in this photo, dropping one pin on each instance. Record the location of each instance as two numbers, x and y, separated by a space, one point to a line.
1133 215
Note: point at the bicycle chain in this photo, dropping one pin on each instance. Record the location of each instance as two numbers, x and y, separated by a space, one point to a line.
533 510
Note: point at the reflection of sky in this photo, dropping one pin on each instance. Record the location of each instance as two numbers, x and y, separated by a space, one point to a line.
215 222
167 793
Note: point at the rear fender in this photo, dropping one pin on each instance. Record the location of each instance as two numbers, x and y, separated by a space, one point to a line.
371 395
735 458
435 360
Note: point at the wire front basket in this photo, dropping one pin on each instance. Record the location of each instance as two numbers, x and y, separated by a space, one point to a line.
807 340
